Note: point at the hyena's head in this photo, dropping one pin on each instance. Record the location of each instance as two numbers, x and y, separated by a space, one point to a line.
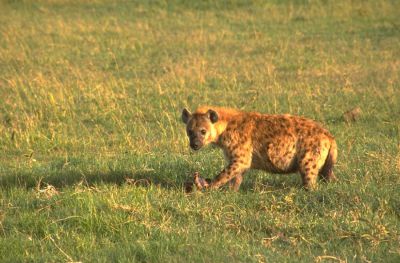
200 127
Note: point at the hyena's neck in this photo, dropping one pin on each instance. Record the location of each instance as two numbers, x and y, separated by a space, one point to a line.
219 127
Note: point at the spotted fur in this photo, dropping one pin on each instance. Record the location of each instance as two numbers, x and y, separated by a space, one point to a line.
273 143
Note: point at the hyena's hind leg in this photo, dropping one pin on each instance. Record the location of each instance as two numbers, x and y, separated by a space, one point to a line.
312 159
309 178
326 172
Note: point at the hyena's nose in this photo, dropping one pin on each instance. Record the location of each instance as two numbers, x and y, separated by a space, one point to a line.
195 145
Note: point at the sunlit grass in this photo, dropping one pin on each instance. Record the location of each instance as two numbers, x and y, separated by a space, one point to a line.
94 154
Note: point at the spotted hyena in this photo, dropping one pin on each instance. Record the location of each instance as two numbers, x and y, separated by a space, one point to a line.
273 143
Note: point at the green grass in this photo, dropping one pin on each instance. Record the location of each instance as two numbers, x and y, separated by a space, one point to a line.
90 99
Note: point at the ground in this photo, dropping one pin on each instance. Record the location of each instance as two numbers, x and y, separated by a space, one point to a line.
94 155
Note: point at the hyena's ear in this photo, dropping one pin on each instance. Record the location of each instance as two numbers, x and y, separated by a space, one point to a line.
213 115
186 115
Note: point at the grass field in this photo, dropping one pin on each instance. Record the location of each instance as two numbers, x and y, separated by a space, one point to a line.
94 155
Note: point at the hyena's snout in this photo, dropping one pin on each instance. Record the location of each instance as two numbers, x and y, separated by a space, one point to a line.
196 143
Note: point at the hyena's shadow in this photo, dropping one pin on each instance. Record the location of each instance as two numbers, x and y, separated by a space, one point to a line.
167 175
171 178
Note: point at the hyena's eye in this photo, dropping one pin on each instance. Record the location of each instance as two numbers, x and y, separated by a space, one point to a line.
203 132
190 132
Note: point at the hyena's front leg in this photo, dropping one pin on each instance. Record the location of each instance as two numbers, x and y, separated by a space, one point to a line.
233 172
235 183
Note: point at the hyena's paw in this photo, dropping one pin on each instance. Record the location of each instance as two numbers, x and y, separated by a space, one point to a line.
309 181
235 183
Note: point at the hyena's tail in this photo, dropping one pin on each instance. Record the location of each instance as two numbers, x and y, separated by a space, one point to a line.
327 170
